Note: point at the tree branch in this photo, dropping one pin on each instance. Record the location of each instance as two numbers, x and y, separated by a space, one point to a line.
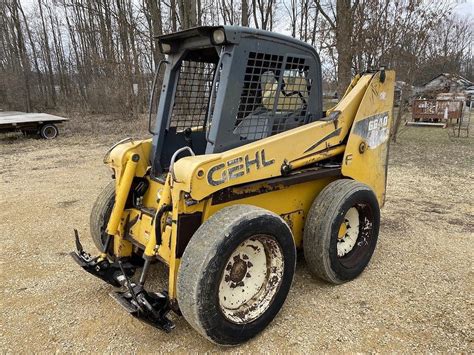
326 16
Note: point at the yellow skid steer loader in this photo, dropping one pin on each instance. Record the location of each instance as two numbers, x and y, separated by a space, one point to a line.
243 168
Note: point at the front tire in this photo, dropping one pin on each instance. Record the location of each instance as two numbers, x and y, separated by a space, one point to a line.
100 215
341 231
235 273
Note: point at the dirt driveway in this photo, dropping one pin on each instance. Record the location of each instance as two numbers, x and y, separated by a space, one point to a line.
416 294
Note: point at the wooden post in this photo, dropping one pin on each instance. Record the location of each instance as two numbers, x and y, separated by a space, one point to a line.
398 120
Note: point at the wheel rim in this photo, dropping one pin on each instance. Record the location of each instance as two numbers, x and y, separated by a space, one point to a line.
49 132
251 279
348 232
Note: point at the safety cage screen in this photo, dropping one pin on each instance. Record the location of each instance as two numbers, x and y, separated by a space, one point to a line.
192 95
274 97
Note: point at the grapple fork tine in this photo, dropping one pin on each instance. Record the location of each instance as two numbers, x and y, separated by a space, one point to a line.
79 247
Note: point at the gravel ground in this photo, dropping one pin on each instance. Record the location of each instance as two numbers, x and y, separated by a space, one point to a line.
416 294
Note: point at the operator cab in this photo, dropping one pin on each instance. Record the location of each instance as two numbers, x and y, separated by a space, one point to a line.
227 86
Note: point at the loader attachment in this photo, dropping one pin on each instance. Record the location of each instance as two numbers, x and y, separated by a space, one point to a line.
150 307
99 266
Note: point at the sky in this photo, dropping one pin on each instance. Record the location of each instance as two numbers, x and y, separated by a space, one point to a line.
466 7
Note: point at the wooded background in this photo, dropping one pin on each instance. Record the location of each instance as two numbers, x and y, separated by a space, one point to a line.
99 55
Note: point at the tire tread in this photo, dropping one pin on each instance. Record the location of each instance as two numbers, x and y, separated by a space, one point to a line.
102 204
318 224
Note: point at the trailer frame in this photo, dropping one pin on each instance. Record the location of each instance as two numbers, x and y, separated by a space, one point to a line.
42 124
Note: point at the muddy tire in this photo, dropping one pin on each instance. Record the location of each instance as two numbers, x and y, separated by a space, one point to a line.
235 273
49 131
100 214
341 231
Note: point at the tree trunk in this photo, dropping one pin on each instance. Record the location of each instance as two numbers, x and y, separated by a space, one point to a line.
35 55
156 28
47 53
173 15
245 13
398 119
343 44
23 56
187 13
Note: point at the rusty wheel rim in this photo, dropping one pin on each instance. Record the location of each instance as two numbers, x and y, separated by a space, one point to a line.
251 279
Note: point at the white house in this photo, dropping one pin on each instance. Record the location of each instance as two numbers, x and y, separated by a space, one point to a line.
447 82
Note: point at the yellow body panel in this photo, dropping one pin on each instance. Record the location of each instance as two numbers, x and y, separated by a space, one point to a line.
365 157
257 173
118 157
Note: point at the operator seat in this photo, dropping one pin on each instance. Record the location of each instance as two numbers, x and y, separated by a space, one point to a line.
275 116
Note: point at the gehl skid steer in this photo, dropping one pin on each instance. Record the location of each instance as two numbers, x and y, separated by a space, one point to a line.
243 168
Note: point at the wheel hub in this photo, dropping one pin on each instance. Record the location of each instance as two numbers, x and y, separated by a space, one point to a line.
238 270
251 278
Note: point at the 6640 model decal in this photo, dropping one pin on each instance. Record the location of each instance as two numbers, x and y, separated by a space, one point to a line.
373 129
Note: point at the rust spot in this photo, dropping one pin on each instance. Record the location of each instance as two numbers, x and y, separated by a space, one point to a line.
273 282
233 193
254 247
238 271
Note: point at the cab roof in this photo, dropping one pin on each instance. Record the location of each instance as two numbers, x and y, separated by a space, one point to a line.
233 34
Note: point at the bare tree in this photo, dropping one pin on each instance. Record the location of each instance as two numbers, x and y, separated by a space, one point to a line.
100 55
21 50
188 13
245 13
342 24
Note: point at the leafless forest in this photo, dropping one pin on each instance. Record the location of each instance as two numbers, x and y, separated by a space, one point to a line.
99 55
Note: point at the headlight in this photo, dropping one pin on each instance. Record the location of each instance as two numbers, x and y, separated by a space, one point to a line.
165 48
218 36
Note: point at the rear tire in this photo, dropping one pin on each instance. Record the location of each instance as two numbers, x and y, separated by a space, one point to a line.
100 215
235 273
341 231
49 131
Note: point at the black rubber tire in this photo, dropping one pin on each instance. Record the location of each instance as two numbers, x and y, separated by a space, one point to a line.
49 131
203 263
322 227
100 214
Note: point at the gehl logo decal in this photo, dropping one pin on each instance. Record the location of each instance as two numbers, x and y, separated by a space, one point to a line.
237 167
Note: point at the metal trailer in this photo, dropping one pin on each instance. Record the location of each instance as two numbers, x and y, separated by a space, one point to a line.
43 124
439 112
